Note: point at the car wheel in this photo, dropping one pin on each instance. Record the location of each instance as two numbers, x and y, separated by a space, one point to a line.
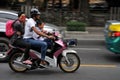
4 46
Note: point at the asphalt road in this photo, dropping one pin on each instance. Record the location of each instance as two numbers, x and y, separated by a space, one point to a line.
97 63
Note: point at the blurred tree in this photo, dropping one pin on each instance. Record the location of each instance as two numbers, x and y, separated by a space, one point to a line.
113 3
84 9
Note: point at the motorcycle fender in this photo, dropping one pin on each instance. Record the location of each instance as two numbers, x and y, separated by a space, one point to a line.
12 50
64 53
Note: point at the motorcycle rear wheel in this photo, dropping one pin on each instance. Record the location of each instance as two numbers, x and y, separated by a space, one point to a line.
72 66
15 67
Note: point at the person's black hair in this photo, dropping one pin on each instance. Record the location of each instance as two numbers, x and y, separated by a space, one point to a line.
20 13
38 21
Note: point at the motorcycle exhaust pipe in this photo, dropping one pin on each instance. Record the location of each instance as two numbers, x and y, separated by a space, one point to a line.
22 65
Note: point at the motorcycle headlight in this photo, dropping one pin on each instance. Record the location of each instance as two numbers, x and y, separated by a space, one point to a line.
71 42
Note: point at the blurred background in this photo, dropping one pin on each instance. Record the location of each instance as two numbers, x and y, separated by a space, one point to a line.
92 12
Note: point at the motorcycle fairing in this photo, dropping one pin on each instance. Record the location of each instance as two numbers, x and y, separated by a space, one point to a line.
60 42
66 51
52 61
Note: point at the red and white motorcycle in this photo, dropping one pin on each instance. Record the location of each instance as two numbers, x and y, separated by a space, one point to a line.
58 55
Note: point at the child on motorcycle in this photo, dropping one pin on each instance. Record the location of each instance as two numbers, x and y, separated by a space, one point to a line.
40 27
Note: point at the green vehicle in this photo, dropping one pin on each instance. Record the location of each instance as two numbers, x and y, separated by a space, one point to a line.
112 36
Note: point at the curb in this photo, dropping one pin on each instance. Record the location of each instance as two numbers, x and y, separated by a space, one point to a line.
86 39
76 32
91 33
84 35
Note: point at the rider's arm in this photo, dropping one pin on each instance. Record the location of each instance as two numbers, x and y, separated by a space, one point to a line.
40 33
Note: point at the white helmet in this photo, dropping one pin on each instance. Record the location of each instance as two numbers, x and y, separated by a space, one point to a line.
34 11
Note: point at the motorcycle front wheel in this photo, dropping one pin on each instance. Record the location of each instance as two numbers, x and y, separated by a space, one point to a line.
15 67
71 64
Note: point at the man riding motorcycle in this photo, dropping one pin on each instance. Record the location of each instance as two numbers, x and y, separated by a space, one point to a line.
30 26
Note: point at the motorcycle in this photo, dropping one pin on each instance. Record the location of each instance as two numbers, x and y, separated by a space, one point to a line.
57 55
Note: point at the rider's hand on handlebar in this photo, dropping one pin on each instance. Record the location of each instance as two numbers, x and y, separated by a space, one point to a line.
51 37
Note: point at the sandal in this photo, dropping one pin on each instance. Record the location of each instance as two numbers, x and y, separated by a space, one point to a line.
27 62
43 63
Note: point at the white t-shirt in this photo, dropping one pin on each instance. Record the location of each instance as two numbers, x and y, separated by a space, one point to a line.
28 28
36 36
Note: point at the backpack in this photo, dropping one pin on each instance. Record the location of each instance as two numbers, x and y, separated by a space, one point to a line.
9 28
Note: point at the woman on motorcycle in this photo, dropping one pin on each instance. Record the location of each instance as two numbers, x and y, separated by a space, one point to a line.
17 38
